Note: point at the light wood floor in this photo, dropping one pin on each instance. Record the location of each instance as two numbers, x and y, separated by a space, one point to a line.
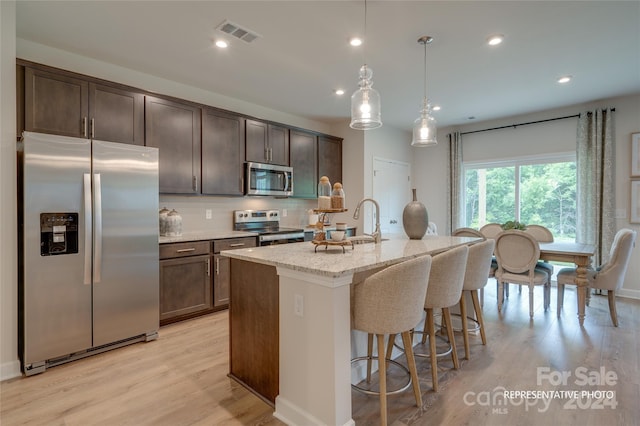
180 379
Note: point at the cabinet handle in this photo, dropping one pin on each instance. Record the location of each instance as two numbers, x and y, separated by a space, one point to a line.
270 154
217 266
186 250
84 126
266 154
93 128
209 267
195 183
236 245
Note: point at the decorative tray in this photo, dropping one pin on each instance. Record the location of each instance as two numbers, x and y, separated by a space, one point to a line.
328 243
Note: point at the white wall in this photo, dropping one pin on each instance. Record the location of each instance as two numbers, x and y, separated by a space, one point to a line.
9 365
429 164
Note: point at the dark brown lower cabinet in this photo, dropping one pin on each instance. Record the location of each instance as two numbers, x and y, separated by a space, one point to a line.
222 265
185 281
253 328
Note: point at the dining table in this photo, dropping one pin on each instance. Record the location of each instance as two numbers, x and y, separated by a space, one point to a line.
577 253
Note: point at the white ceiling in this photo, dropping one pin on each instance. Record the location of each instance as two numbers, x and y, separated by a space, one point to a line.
303 54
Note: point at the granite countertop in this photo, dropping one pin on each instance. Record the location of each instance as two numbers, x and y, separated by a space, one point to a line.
334 263
205 235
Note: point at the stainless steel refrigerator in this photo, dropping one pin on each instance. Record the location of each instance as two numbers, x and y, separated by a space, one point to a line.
88 241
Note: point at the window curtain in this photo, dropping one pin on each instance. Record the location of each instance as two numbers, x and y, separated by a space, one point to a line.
596 182
454 179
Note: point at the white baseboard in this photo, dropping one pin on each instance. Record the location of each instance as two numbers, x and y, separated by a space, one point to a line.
630 294
291 414
9 370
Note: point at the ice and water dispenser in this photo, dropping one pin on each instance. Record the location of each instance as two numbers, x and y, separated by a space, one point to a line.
58 233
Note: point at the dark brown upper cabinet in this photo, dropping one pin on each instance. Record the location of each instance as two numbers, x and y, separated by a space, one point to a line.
117 115
303 156
56 104
174 128
330 158
222 153
68 106
267 143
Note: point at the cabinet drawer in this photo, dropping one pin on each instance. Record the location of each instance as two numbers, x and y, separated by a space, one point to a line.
168 251
233 243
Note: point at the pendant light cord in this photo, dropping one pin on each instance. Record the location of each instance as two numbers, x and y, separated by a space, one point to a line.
364 48
425 72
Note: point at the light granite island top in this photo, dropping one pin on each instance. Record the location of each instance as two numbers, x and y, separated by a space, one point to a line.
300 298
333 263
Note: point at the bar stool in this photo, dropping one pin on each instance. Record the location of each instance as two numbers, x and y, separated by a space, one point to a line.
475 278
444 290
390 302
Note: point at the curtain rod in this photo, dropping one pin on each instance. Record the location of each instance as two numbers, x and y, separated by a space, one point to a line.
524 124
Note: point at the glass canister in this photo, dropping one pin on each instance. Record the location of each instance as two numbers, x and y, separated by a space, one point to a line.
162 221
174 224
324 194
337 197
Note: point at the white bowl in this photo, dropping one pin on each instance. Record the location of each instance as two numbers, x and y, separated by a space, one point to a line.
337 235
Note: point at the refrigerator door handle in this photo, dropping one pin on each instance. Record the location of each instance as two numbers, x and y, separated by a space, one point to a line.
87 228
97 228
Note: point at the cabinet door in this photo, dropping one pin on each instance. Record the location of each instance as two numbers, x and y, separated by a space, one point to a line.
116 115
185 287
56 104
330 158
278 142
303 155
174 128
222 153
256 141
221 280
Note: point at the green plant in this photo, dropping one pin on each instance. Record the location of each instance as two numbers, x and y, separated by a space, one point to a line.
513 224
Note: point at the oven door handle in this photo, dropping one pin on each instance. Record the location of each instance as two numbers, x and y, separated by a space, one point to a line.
276 237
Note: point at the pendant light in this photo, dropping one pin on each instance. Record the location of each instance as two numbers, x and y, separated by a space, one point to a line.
365 102
424 128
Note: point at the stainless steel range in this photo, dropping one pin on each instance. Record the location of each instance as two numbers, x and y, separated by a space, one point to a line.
266 223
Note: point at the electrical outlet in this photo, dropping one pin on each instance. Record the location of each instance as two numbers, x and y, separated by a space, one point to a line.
284 212
207 213
298 305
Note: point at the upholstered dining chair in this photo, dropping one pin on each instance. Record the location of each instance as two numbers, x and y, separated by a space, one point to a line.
491 230
475 278
517 253
609 276
390 302
467 232
445 288
542 234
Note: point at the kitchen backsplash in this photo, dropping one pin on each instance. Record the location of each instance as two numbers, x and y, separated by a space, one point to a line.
193 210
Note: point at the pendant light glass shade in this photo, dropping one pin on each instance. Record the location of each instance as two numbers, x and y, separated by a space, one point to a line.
424 128
365 103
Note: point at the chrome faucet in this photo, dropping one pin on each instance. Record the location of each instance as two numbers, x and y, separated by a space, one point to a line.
377 235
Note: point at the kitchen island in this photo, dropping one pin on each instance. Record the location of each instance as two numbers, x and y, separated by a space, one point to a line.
290 327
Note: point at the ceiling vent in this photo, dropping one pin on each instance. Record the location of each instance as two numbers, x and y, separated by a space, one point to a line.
237 31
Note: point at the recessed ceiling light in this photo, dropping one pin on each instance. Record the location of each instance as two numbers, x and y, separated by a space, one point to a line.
355 41
436 108
564 79
222 44
339 92
495 39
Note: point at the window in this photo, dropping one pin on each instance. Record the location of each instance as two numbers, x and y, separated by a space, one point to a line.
539 189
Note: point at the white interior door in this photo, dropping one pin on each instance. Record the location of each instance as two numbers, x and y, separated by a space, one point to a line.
392 190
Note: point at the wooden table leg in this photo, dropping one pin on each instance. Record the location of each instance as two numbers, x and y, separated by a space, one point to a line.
582 287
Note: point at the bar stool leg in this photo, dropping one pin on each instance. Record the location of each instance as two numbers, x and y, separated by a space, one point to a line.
432 349
465 327
369 355
382 373
447 320
477 306
560 289
411 361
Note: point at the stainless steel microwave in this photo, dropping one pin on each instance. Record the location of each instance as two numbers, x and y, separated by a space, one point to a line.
268 179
